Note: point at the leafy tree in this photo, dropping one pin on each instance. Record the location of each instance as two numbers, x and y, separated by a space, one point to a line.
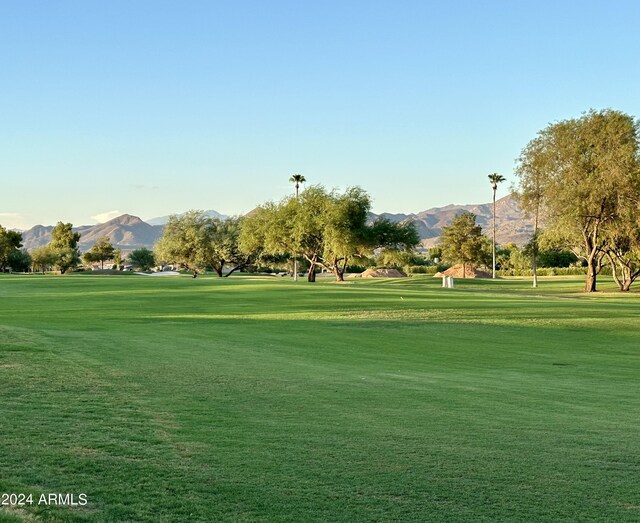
142 259
622 248
256 237
197 241
397 258
503 256
43 258
66 258
273 263
101 251
223 237
463 241
117 259
327 228
581 173
292 226
309 215
435 253
19 260
555 257
346 234
10 243
520 259
64 244
397 241
625 264
401 236
184 241
495 179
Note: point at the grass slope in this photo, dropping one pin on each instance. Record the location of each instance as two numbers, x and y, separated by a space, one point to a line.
262 400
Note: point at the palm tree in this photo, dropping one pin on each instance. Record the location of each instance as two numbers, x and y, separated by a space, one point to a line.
495 179
297 180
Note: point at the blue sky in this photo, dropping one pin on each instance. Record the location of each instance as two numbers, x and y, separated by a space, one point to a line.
158 107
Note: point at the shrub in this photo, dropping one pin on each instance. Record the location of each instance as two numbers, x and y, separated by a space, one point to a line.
548 271
423 269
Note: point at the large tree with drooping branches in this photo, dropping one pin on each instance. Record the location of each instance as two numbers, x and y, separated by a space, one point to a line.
583 173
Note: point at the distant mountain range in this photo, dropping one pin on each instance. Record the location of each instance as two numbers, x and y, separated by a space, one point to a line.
128 232
511 223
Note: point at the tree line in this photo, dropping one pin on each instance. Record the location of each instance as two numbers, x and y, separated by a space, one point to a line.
63 254
579 179
325 229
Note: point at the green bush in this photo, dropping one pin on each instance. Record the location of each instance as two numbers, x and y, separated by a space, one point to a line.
360 264
267 270
555 259
547 271
423 269
416 269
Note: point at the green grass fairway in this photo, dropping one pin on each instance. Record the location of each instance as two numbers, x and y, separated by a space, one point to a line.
247 399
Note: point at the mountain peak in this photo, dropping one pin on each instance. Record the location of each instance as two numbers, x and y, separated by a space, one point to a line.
125 219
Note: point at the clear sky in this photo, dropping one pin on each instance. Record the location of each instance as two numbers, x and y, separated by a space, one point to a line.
154 107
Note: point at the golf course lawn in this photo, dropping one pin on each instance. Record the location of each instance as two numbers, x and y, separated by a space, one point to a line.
259 399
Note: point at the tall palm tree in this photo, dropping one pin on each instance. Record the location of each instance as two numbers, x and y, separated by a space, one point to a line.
495 179
297 180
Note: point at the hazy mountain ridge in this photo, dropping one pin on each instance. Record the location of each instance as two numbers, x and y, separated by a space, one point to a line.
511 223
129 232
126 232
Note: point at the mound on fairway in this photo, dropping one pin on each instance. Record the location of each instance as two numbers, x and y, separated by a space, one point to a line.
463 271
383 273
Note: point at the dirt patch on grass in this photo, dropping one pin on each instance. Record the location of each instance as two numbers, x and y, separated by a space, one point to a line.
383 273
